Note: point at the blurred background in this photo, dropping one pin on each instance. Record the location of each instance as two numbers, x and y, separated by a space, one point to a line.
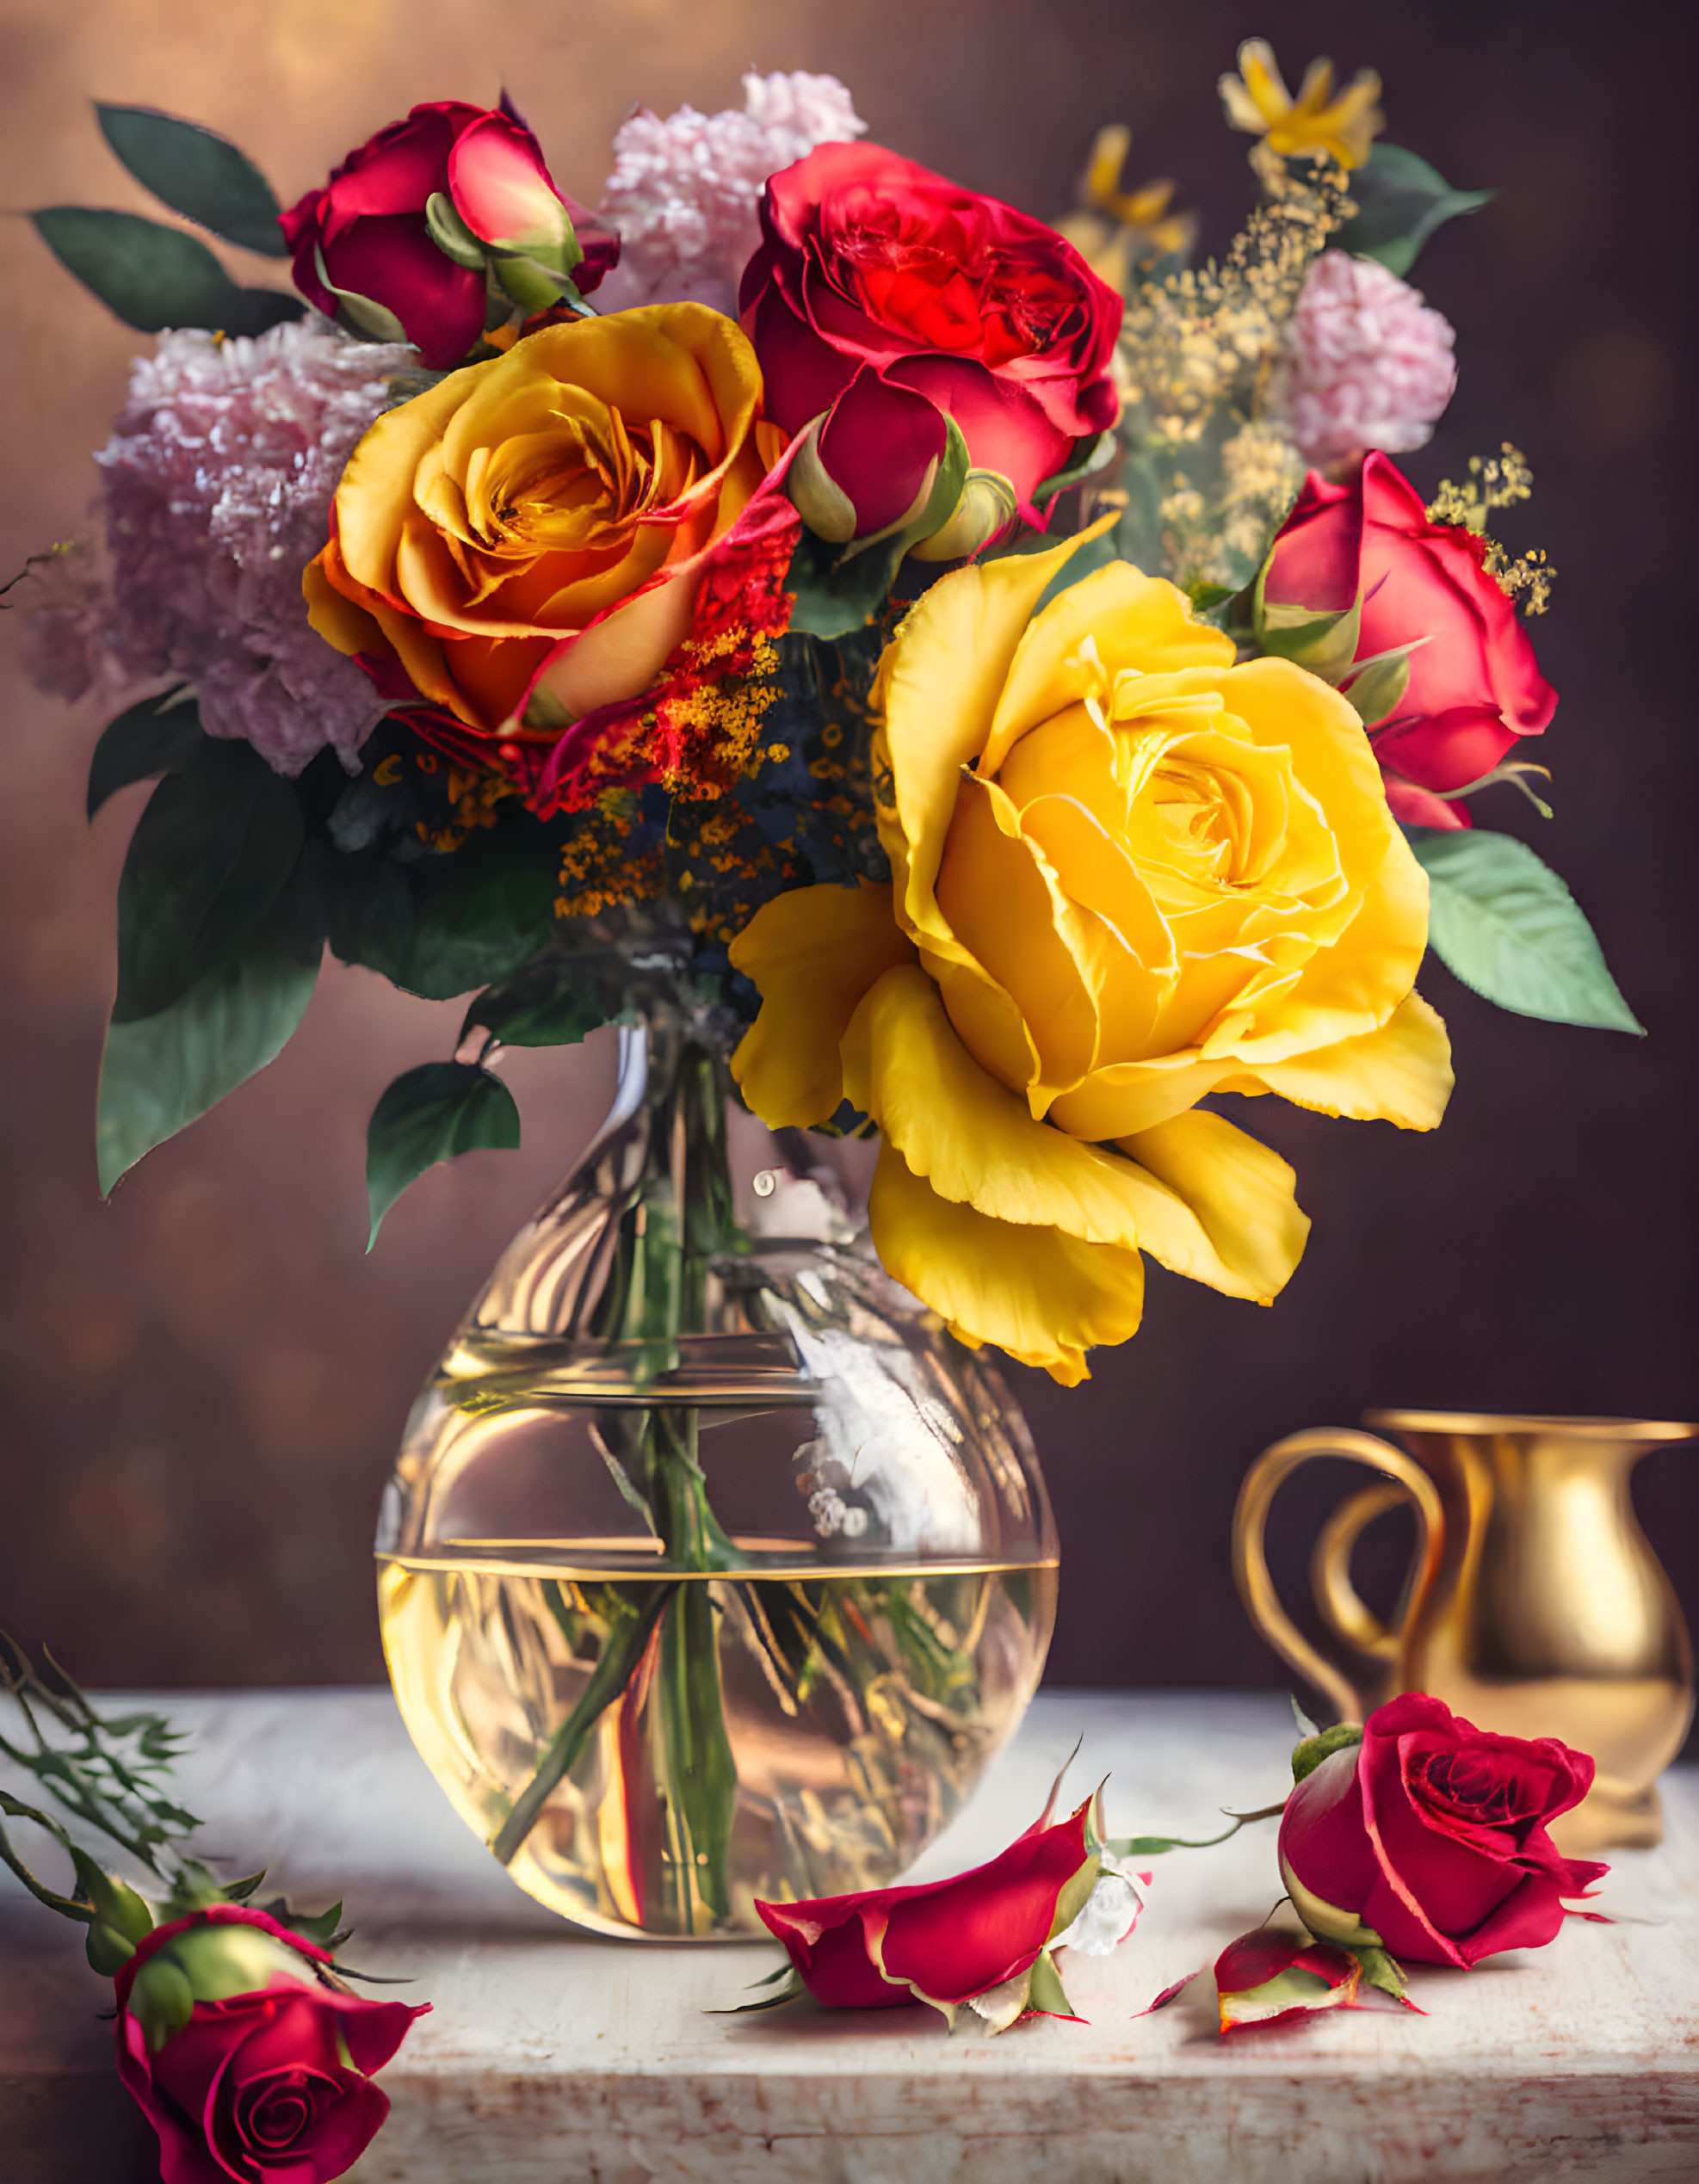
204 1381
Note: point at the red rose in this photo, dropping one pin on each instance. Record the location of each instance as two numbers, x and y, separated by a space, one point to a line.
1431 1833
883 296
1475 686
243 2057
368 222
942 1942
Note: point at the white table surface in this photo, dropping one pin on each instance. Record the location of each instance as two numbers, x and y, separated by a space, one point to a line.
555 2058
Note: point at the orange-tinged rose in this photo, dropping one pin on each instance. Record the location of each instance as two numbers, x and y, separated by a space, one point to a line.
525 541
1127 873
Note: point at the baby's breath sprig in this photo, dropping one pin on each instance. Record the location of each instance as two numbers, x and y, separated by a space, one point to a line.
1495 482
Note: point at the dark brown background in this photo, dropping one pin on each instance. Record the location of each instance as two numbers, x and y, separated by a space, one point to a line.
201 1385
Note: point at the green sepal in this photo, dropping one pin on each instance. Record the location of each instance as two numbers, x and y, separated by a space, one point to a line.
432 1114
1095 454
160 1999
1075 1895
239 1891
153 276
158 735
1046 1994
451 234
1400 200
323 1929
106 1950
1378 690
362 315
1308 1755
197 173
1383 1970
533 285
1324 643
1502 921
117 1906
788 1992
839 589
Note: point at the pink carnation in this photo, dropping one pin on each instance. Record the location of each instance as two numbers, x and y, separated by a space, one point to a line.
218 479
685 192
1366 363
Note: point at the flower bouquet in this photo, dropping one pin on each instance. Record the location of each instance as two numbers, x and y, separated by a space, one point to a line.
988 680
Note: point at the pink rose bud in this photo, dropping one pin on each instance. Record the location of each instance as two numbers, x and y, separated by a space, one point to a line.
501 190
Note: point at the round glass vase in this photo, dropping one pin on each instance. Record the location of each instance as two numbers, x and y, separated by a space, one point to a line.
713 1568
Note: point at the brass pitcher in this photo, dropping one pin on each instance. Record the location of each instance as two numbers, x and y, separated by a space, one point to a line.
1533 1605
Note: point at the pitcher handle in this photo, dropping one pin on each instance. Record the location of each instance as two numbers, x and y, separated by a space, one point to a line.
1343 1608
1345 1612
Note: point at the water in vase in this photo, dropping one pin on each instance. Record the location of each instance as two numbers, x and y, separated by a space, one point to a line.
851 1714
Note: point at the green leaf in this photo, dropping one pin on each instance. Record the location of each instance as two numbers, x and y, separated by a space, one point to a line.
159 1074
432 1114
835 597
158 736
1504 923
443 925
210 855
556 1002
197 173
152 277
1400 201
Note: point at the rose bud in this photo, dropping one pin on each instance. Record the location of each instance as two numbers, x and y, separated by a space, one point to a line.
246 2056
1445 710
981 1940
1429 1838
366 242
881 291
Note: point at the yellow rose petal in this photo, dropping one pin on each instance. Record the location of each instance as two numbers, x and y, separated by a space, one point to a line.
1245 1232
937 686
375 497
1401 1073
813 954
1044 1297
1116 617
973 1139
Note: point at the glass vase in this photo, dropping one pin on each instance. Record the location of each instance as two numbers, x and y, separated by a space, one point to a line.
713 1568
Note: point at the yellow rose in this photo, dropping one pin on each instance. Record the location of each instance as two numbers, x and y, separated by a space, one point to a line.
1126 873
524 541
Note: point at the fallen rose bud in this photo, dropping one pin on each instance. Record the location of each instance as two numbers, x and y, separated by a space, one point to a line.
247 2056
1428 1838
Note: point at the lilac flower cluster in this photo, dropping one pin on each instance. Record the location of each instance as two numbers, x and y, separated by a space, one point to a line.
219 478
685 192
1366 363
